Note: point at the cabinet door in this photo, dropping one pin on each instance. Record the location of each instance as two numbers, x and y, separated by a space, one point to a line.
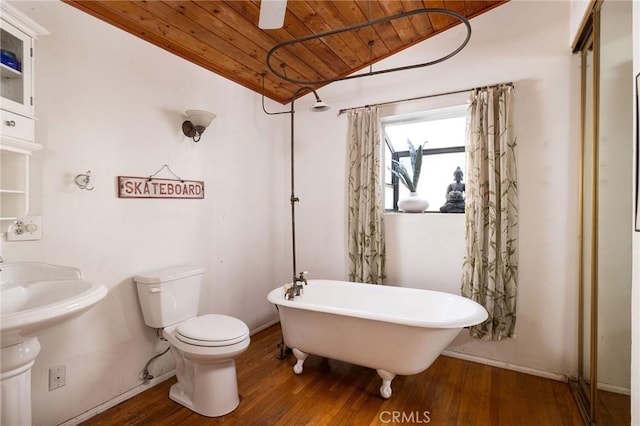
15 70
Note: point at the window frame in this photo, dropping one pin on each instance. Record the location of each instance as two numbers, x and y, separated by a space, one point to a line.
426 115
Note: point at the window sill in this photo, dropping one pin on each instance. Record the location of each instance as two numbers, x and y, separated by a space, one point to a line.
392 213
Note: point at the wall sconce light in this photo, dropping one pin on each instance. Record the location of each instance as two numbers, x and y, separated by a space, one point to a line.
85 181
196 123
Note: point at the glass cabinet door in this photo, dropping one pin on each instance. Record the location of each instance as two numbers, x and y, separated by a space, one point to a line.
15 70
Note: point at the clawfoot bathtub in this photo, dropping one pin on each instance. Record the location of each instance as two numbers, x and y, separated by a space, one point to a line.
394 330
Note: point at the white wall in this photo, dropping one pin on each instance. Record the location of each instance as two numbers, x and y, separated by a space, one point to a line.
522 42
109 102
433 258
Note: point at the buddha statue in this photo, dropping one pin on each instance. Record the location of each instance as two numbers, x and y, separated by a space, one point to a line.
455 194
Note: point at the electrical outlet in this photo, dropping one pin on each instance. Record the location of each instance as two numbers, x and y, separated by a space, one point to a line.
57 377
25 228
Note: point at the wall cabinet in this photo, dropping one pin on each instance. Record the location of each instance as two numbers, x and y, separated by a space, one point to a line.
17 127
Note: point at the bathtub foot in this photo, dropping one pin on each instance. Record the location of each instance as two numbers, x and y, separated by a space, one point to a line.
385 389
300 356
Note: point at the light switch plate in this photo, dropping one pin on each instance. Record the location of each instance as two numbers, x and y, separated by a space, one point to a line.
25 228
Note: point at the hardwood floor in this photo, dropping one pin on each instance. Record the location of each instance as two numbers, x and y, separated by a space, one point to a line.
613 408
328 392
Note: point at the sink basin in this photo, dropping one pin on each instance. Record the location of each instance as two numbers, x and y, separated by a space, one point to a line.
35 296
26 272
29 309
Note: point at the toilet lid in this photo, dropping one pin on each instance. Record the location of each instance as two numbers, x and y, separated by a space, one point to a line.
212 330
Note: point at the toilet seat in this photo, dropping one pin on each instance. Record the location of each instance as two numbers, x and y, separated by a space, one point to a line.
212 330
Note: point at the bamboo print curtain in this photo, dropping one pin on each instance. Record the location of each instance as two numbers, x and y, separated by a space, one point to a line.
490 271
365 206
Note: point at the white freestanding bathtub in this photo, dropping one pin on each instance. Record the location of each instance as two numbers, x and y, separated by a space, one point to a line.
395 330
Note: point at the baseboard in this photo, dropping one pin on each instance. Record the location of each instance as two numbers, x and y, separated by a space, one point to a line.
614 389
265 326
507 366
118 399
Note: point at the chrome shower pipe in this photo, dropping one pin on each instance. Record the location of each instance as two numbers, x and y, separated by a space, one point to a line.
317 107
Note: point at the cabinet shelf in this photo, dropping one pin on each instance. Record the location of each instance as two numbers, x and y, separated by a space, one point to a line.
8 72
14 178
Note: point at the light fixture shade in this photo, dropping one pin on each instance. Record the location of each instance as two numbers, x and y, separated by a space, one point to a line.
199 117
320 106
272 14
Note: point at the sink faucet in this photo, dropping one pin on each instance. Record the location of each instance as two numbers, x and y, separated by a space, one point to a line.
297 286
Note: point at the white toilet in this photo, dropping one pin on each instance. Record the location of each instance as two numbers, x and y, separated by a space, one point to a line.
203 347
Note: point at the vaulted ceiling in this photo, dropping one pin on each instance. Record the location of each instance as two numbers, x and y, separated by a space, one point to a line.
223 36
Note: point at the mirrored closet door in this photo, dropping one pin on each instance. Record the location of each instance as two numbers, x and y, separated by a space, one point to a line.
606 164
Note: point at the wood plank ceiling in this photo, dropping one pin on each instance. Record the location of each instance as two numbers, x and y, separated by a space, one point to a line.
223 36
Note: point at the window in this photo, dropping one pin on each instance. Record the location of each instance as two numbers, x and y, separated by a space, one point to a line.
442 132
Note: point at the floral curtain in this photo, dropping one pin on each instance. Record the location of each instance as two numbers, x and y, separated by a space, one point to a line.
365 205
490 271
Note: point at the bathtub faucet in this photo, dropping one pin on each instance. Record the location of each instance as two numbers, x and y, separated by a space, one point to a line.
296 288
301 279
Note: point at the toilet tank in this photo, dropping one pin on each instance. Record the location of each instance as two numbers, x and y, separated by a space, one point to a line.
169 295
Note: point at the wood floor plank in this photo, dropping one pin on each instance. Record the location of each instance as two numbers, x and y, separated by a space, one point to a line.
330 392
613 408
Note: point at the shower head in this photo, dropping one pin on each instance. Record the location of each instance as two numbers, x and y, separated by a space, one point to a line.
320 106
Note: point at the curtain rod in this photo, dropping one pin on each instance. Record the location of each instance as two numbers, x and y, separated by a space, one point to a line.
425 97
357 27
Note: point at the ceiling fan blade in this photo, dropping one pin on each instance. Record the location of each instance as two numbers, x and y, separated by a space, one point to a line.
272 14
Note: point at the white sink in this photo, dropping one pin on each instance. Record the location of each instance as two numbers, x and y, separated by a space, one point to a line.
34 297
29 309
